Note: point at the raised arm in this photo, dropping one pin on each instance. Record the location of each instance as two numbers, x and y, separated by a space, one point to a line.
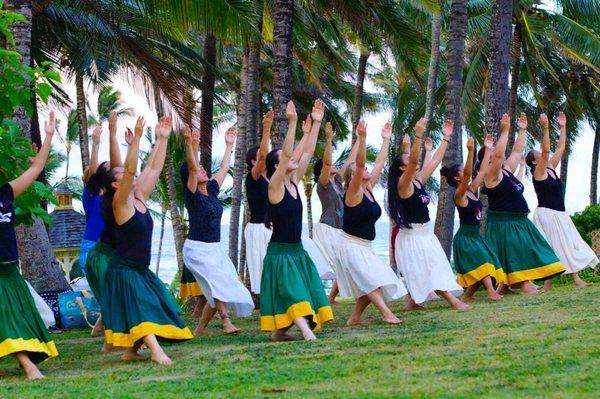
150 161
405 186
259 166
436 159
406 143
517 151
495 172
306 129
123 207
327 162
540 172
562 141
276 183
350 159
221 174
93 166
485 163
428 151
461 190
318 111
190 154
163 130
386 134
113 143
22 183
354 193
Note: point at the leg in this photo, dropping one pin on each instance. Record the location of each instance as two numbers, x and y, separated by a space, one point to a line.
579 283
228 326
376 297
158 354
334 293
200 303
454 302
470 292
132 354
207 314
98 327
307 333
528 288
30 369
489 287
411 304
361 304
547 285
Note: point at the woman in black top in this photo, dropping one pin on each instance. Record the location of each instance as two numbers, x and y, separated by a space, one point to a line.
419 255
257 186
23 334
137 307
523 252
550 216
361 274
291 289
202 251
474 260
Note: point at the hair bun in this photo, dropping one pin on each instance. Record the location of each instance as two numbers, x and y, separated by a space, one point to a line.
444 171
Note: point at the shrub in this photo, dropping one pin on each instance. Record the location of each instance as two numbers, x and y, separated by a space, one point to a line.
587 221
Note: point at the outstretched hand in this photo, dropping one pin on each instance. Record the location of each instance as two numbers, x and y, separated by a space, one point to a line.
290 112
128 136
361 130
139 127
406 139
164 127
112 123
50 124
421 126
562 119
505 122
96 134
267 121
543 121
307 124
428 144
522 122
230 135
318 110
470 144
448 128
386 132
489 141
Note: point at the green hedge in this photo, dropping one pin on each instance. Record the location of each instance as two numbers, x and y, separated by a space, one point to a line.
587 221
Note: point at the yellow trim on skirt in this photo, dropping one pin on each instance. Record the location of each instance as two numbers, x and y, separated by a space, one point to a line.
34 345
476 275
536 273
127 340
301 309
187 290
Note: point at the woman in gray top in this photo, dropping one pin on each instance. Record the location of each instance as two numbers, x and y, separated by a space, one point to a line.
330 190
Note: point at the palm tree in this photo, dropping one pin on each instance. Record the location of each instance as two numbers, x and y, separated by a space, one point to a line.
283 13
109 101
207 101
71 136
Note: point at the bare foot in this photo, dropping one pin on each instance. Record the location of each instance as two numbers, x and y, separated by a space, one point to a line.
392 319
527 289
98 328
161 358
494 296
107 348
467 299
200 331
283 337
413 306
231 329
309 336
130 356
32 373
356 322
582 284
461 306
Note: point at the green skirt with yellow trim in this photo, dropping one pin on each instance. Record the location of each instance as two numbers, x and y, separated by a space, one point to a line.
291 288
189 287
96 265
523 252
474 258
21 327
135 303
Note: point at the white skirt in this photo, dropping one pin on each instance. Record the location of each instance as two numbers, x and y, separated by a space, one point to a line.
423 264
318 258
257 239
361 271
218 279
560 232
329 240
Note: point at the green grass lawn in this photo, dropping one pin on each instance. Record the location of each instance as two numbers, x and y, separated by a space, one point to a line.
543 346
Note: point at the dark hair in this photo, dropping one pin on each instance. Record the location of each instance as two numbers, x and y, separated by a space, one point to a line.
251 156
450 172
480 155
272 161
395 207
95 181
529 160
317 168
184 173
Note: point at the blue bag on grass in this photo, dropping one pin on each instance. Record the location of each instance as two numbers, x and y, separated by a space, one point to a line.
78 309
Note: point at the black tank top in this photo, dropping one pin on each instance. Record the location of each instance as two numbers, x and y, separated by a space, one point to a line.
257 193
205 213
8 237
134 238
550 192
470 214
108 235
416 205
507 196
359 220
286 217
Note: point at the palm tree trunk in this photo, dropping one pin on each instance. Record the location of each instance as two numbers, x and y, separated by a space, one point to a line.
68 151
594 173
207 105
308 190
82 118
359 91
444 225
160 241
38 263
515 65
283 11
434 63
496 98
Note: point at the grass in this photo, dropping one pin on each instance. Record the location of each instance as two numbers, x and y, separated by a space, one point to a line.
543 346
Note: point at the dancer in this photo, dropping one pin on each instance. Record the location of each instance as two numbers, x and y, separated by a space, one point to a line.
550 216
291 289
361 273
137 307
474 259
257 190
523 252
202 251
91 203
419 256
23 334
327 232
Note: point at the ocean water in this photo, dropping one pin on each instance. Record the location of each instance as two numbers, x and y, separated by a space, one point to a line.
168 260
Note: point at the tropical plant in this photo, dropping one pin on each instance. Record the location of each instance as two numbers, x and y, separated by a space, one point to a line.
587 221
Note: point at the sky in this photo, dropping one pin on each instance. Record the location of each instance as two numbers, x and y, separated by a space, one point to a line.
577 195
